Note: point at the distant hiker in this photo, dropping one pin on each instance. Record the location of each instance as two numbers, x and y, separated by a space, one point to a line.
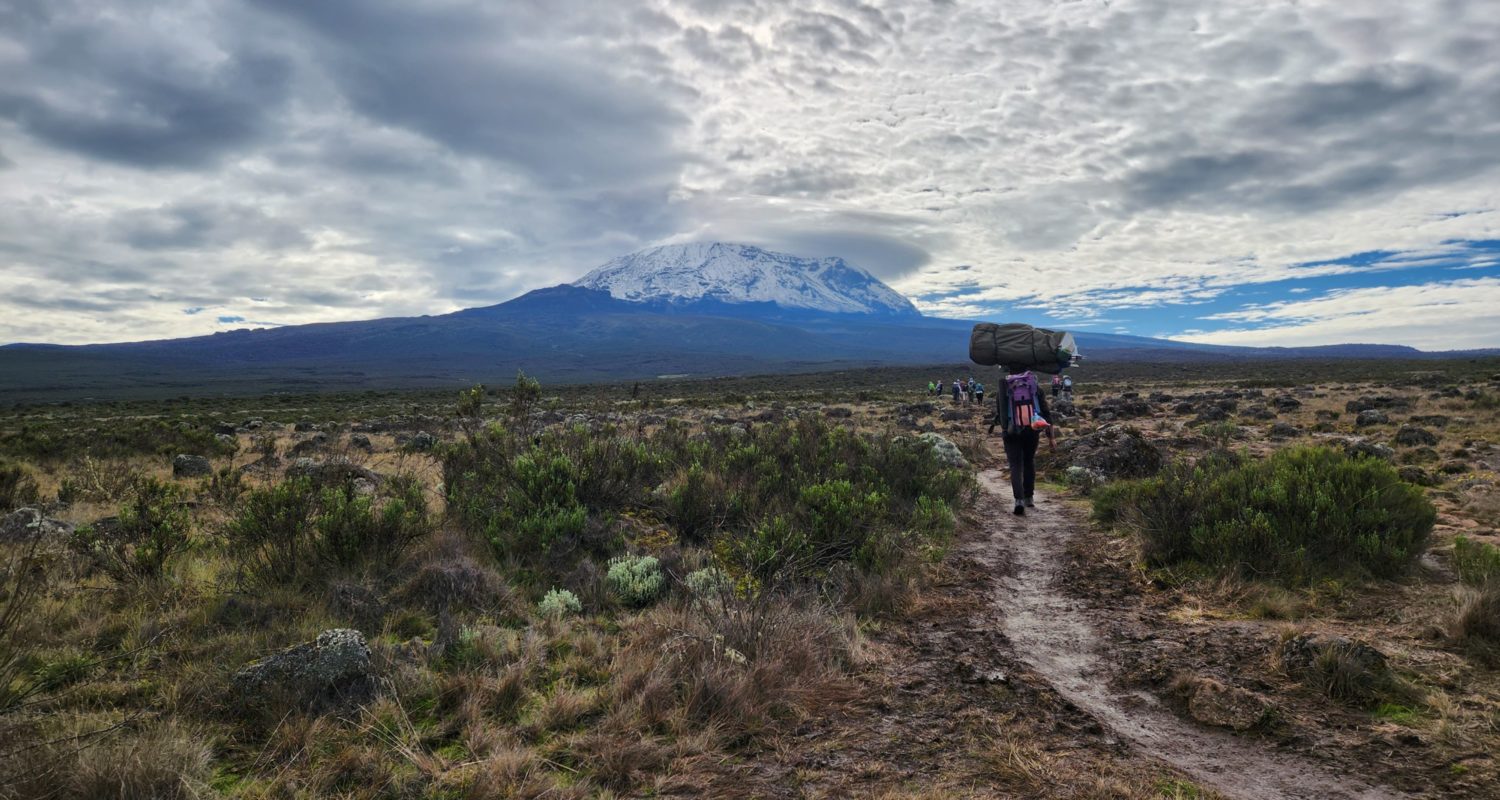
1022 409
979 393
932 388
940 389
1067 387
1056 385
957 390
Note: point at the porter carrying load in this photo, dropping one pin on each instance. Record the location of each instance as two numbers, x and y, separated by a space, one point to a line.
1021 345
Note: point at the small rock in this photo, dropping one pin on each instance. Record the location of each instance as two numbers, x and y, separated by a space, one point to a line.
1413 436
1301 654
421 441
839 412
359 441
1371 416
1287 403
1213 703
190 466
1283 430
1370 450
25 524
1416 475
331 673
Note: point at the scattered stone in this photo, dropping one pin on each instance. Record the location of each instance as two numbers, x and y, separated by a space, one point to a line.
1113 451
1123 407
331 673
839 412
1287 403
227 441
1416 475
954 415
1434 420
225 428
190 466
1184 408
1325 415
1213 703
1371 416
25 524
1283 430
1261 413
1412 436
303 426
332 472
1419 455
1369 449
1306 654
946 451
359 441
422 441
1210 414
1454 467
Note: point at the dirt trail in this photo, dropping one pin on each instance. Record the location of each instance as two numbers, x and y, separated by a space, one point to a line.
1052 634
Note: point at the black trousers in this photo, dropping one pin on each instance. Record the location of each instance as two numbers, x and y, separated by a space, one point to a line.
1020 454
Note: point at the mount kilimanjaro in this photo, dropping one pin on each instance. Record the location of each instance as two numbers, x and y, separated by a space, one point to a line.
704 309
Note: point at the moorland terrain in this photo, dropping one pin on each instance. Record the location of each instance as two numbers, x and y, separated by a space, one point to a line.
1244 579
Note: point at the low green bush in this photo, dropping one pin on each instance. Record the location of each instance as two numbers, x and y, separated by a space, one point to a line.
295 532
1300 515
786 500
152 527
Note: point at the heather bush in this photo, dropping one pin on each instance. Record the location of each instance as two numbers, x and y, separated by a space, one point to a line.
152 526
1300 515
295 532
17 487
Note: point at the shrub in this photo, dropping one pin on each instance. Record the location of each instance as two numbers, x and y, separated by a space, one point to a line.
559 603
152 526
294 532
635 580
1302 514
708 582
1478 563
17 488
1475 624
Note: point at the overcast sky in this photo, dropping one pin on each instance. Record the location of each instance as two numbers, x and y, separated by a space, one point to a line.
1248 172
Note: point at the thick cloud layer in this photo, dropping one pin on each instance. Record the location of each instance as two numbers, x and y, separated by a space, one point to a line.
178 167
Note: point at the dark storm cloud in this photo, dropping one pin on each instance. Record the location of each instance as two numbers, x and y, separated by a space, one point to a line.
94 85
478 86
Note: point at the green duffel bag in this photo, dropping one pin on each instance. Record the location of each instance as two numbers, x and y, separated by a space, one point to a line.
1020 345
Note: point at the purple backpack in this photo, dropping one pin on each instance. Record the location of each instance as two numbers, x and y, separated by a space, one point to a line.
1022 390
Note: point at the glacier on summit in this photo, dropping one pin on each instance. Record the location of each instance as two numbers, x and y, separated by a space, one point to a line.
737 273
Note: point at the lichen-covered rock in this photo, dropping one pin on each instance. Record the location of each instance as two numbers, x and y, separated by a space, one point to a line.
190 466
1369 450
1371 416
1283 430
1416 475
1287 403
1301 654
25 524
1113 451
1413 436
331 673
1213 703
946 451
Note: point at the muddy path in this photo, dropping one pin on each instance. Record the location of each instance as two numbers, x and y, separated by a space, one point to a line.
1054 635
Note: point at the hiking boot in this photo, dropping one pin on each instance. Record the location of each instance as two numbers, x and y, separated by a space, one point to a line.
1029 503
1020 510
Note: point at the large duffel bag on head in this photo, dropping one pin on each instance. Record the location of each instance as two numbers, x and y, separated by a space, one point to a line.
1021 345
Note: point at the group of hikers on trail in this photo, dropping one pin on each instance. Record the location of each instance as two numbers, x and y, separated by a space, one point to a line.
1062 385
969 391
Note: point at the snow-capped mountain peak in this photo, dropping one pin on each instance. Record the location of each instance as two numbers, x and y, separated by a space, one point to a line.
737 273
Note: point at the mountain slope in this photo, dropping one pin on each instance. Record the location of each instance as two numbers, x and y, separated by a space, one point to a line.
735 273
